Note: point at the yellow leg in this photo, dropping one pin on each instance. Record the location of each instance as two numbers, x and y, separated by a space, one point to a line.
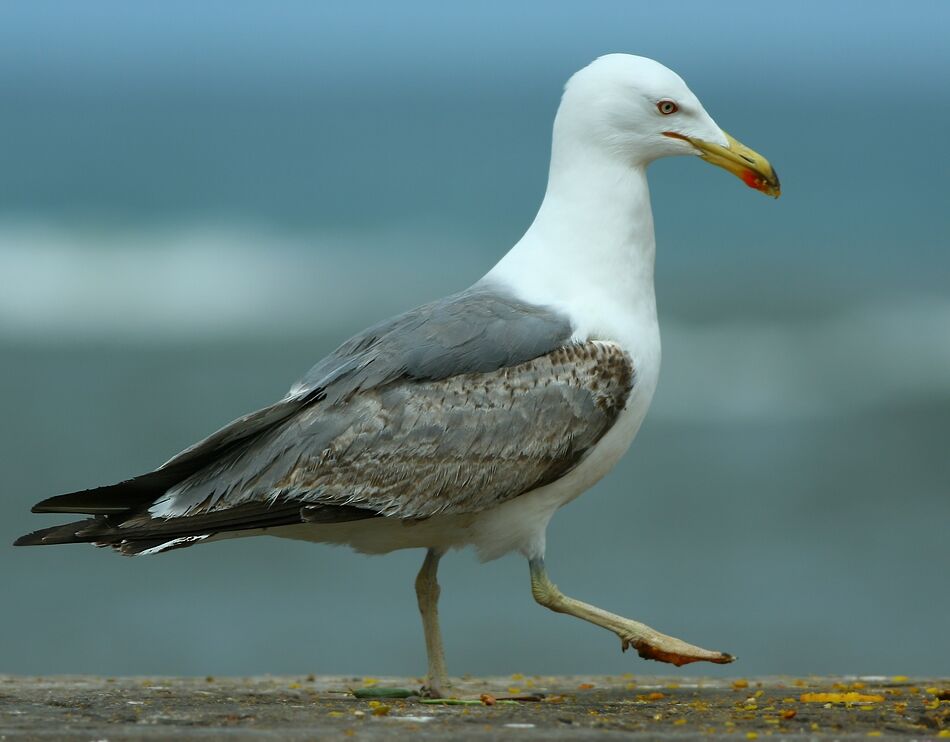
427 593
649 643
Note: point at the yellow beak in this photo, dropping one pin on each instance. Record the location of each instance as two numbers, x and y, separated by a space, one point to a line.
751 167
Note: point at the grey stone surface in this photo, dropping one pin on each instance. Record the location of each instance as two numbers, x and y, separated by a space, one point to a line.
298 708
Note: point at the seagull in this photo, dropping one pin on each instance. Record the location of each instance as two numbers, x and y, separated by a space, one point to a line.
470 420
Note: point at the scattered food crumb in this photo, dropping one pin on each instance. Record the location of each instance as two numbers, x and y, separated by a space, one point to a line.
189 709
840 698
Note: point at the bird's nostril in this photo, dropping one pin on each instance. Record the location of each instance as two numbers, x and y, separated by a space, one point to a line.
748 159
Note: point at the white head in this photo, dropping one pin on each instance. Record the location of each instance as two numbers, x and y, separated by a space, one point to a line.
635 109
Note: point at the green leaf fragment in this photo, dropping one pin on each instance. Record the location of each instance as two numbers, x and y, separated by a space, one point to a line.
384 692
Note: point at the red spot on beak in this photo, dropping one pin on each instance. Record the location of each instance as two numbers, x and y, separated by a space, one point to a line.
753 180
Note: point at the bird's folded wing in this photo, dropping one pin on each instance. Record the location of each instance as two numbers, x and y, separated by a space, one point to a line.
413 449
452 407
477 330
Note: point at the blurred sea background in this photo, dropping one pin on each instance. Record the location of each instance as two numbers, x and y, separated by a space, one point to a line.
199 200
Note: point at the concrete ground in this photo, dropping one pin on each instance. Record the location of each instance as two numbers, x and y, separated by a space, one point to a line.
550 708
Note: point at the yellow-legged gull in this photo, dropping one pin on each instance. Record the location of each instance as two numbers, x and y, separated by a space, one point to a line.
470 420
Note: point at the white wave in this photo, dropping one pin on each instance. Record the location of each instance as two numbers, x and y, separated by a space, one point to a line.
866 357
62 286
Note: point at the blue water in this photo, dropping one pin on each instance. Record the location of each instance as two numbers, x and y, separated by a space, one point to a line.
197 202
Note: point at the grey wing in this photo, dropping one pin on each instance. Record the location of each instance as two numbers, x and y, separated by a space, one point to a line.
477 330
406 419
480 329
414 449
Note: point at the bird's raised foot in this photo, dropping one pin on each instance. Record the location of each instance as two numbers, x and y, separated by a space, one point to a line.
664 648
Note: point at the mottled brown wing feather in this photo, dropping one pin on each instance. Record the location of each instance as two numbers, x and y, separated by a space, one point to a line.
412 449
408 449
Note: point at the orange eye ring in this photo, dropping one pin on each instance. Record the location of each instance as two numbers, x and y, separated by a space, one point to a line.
666 107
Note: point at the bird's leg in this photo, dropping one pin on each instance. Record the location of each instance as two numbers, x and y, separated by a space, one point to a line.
650 644
427 593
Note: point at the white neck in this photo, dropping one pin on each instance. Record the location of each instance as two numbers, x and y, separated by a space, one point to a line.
590 250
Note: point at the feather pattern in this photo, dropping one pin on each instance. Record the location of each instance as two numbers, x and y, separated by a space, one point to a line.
406 451
480 329
414 449
453 407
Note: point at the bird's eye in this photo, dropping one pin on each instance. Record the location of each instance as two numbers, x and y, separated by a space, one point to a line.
666 107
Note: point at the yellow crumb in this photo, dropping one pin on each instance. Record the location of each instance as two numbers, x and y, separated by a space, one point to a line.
840 698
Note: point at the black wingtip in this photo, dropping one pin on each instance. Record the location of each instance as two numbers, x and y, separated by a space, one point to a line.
39 538
65 533
113 499
49 506
106 500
